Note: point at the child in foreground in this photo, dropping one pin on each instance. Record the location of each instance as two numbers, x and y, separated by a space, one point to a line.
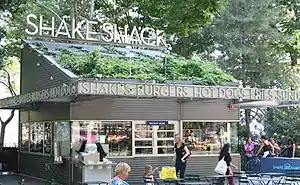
148 175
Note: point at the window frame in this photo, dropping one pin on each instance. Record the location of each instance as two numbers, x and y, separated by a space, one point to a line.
155 137
30 124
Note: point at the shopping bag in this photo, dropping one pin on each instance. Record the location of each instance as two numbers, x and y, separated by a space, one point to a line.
168 173
221 167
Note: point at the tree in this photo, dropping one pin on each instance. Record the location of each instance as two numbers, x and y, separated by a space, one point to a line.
291 27
199 43
245 33
8 80
179 18
12 18
283 124
5 76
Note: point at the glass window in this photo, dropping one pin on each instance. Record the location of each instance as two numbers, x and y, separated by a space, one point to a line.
165 138
39 135
143 131
206 137
115 136
155 139
36 137
62 138
143 138
234 137
144 151
165 146
47 138
25 137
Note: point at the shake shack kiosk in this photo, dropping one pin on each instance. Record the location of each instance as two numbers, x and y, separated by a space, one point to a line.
134 121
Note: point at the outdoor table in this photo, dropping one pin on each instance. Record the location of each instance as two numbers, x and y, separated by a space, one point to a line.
194 183
277 177
93 183
264 180
272 174
168 181
292 178
216 179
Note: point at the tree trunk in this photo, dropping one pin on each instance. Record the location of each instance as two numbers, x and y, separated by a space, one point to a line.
92 7
247 116
2 134
3 125
185 47
247 121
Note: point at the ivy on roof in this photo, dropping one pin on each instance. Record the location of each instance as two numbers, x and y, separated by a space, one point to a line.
53 50
94 65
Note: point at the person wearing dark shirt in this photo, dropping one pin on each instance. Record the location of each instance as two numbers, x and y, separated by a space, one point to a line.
181 154
227 158
290 149
266 147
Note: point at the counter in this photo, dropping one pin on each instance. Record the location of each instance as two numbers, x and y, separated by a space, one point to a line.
100 171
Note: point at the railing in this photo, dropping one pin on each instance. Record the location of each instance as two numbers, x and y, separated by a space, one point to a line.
8 159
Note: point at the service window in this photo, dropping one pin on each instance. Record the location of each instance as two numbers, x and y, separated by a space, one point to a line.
154 138
165 138
143 138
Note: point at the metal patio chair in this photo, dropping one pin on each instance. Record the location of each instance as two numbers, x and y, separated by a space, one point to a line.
241 177
148 180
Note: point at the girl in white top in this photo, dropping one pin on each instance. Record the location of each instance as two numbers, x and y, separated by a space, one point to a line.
148 175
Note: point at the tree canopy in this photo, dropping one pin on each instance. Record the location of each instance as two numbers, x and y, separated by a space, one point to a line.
244 34
282 124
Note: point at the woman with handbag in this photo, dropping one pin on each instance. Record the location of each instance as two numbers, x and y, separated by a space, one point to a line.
225 155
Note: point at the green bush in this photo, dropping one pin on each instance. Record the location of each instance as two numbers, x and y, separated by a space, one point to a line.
94 65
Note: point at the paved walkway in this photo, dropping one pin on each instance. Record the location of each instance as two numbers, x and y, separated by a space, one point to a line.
14 179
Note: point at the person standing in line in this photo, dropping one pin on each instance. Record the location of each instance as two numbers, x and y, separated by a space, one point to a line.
249 150
291 149
266 147
227 158
181 154
276 147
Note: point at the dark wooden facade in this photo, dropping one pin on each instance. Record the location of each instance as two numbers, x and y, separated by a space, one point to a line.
116 109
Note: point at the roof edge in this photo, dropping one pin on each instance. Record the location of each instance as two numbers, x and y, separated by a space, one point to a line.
52 62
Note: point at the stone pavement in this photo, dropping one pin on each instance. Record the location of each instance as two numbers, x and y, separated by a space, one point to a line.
14 179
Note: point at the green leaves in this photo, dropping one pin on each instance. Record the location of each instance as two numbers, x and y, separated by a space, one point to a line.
179 17
282 124
246 35
93 65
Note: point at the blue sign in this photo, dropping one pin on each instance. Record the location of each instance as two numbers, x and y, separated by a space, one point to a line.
279 164
157 123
